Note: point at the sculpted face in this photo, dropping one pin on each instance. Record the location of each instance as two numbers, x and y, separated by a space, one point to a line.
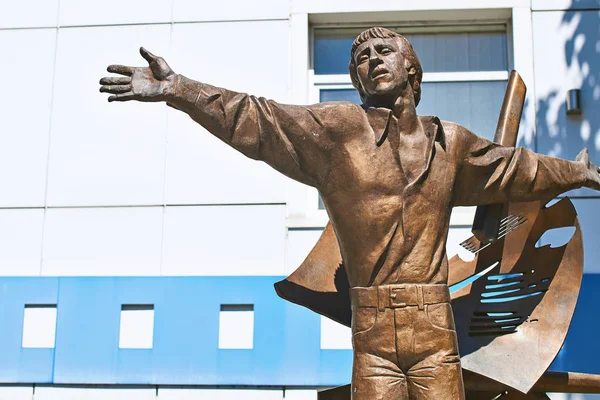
381 68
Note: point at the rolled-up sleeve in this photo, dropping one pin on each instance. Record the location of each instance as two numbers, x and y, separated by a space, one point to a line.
489 173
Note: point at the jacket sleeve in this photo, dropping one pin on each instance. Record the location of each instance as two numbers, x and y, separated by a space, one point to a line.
292 139
489 173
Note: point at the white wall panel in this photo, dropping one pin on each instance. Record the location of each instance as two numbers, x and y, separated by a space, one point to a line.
567 56
204 51
521 42
101 153
28 70
236 327
203 170
355 6
136 327
219 394
300 58
563 4
300 394
39 327
554 70
230 10
200 168
21 242
224 240
453 247
55 393
16 393
335 336
462 216
112 12
299 244
28 13
103 241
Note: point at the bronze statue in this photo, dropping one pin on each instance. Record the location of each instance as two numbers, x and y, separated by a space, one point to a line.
389 180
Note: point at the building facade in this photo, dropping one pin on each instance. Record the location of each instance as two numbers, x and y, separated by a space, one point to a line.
138 252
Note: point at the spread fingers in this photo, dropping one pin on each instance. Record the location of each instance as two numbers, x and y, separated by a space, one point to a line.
116 89
115 80
120 69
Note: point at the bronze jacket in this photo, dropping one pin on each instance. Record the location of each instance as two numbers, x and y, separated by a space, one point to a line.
388 193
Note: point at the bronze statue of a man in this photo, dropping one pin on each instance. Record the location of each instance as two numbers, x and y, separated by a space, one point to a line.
389 180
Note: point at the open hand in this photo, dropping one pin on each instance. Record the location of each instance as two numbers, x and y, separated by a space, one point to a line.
593 172
153 83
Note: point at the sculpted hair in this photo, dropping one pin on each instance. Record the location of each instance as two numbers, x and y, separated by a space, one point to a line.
410 57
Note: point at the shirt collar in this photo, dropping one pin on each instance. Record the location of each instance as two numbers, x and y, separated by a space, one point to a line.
379 118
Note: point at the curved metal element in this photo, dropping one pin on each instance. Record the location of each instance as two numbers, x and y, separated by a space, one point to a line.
551 381
491 345
320 283
522 308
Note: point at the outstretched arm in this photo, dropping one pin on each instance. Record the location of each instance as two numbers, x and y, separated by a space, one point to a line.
291 139
489 173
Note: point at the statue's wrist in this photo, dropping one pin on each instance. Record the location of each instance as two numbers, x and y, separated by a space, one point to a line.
185 92
170 88
591 179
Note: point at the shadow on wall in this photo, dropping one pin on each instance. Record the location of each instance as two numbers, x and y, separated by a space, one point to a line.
567 56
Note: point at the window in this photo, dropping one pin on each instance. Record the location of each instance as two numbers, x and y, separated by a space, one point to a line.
236 326
137 326
465 71
465 75
39 326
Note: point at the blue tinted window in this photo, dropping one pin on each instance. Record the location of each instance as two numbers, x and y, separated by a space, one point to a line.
461 52
475 105
340 95
332 55
445 52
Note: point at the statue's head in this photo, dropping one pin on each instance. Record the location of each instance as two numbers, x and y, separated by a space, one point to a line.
383 63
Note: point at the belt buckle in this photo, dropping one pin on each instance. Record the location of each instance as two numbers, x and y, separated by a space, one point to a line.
394 295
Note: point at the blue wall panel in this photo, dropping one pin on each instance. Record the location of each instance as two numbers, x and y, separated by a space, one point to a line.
581 351
286 341
286 347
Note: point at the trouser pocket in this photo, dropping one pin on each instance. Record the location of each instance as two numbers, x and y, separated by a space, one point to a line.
440 316
363 319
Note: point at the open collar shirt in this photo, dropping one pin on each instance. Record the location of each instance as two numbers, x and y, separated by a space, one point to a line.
388 193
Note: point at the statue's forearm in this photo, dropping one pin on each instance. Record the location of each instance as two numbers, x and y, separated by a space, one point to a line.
228 115
184 94
505 174
547 176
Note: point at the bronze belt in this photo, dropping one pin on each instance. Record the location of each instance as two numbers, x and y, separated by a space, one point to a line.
398 296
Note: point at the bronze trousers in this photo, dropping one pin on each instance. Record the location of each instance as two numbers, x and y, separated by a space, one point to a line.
405 344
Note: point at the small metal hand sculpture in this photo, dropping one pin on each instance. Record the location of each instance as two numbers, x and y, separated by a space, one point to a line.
150 84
